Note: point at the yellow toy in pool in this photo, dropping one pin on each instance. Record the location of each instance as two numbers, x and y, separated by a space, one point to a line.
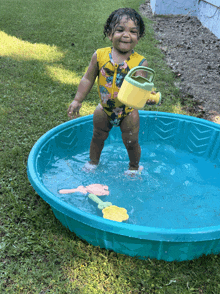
115 213
111 212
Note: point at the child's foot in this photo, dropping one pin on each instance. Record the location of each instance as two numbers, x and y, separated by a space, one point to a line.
88 167
133 173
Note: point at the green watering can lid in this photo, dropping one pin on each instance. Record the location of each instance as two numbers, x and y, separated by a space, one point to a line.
139 81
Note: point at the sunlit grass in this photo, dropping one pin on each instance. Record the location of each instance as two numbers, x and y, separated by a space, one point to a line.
177 108
63 75
15 48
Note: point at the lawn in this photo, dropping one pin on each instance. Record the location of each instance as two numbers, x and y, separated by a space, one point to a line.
45 48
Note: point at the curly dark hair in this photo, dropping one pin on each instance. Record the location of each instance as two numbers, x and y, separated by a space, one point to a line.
116 16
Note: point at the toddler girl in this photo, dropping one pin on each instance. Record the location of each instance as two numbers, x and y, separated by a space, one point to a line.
124 28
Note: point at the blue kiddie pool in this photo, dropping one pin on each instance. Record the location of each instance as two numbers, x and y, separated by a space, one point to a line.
173 204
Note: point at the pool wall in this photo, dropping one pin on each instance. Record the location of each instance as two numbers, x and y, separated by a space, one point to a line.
207 11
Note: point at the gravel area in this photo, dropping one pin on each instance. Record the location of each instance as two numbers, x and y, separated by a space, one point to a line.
193 53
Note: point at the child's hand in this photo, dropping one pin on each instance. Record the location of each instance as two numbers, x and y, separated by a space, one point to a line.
73 110
151 101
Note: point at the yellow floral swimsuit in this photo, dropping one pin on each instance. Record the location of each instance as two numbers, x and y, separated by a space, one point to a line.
110 78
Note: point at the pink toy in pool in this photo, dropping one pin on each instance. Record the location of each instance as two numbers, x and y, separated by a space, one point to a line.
97 189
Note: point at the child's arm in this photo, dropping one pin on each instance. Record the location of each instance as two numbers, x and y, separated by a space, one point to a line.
84 88
142 73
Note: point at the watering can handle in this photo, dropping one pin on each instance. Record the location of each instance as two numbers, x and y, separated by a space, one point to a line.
137 68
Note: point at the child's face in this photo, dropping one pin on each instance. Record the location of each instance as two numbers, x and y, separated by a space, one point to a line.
125 35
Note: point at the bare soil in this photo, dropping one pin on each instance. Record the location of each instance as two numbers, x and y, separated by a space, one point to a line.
193 53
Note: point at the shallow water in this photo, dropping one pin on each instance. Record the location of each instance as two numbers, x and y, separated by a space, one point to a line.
175 189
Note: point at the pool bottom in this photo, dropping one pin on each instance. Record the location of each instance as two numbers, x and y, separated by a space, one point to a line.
175 190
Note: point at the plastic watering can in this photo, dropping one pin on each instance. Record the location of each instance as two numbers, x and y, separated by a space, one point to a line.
136 90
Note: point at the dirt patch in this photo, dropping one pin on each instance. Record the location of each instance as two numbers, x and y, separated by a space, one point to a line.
193 54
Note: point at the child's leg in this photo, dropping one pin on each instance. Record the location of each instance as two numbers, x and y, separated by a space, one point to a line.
130 131
101 130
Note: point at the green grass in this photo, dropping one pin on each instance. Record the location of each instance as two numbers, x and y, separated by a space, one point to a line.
40 72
